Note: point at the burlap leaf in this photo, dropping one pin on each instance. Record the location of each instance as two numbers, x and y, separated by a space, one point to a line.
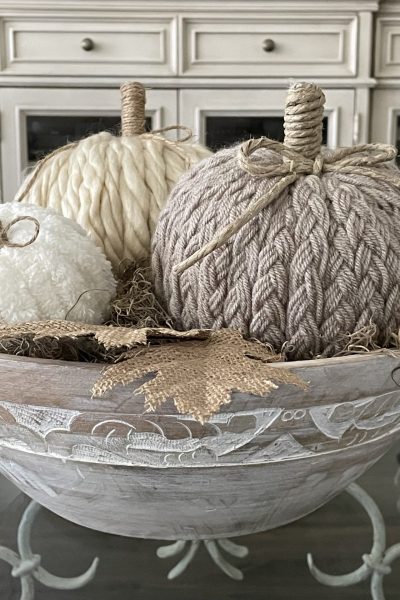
110 337
199 375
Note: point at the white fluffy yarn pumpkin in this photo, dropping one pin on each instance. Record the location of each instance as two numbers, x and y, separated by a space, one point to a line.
50 269
114 187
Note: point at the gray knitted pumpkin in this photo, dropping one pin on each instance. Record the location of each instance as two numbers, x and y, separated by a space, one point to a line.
291 244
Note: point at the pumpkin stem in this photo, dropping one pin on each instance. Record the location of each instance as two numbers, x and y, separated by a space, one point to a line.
304 112
133 102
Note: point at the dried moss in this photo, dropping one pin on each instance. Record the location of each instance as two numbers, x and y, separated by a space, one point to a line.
135 304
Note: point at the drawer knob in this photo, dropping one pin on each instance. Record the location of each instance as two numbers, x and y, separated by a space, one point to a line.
87 44
268 45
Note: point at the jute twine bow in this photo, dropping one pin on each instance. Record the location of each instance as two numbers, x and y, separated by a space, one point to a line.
302 116
5 230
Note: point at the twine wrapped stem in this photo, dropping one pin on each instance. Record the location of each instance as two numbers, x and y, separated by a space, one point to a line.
300 155
304 112
133 103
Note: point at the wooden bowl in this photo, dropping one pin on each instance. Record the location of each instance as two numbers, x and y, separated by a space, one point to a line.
258 464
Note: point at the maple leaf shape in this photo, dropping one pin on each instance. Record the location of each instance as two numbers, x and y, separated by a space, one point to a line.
199 375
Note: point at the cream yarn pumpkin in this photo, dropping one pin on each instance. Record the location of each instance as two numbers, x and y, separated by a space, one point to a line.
291 244
114 187
50 269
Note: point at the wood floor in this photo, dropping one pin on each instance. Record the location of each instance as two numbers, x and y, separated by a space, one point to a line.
337 535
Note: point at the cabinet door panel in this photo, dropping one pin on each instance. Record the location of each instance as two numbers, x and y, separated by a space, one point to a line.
36 121
222 117
386 117
387 44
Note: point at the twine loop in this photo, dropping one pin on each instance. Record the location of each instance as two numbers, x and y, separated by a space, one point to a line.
287 166
5 230
282 160
185 138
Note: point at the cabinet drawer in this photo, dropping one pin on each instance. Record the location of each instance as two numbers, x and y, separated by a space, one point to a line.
387 45
137 47
270 46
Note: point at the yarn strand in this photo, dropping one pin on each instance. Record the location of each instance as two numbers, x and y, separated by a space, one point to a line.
29 183
225 234
186 138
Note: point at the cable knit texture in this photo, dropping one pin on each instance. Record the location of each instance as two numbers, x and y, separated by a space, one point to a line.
50 269
114 187
320 261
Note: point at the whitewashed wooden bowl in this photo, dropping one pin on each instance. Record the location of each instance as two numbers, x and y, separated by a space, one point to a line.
258 464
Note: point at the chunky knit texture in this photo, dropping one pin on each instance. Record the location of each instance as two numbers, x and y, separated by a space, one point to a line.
320 261
114 187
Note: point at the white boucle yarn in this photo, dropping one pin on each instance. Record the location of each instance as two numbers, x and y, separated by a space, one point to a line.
61 274
114 187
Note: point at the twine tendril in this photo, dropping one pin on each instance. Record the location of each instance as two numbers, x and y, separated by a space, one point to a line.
5 230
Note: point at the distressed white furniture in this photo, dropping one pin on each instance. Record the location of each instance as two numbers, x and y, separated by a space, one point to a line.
225 59
386 96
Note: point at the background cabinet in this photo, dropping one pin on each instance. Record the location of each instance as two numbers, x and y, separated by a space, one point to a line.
220 119
386 116
221 68
35 121
386 97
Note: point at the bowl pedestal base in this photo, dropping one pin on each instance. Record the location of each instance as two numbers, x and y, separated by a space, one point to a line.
213 548
27 566
376 564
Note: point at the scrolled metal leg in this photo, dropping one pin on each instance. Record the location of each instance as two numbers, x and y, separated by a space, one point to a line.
376 564
171 549
377 577
26 564
227 568
233 549
176 548
212 547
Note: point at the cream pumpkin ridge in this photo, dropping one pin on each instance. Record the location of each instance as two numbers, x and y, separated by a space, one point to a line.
115 186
